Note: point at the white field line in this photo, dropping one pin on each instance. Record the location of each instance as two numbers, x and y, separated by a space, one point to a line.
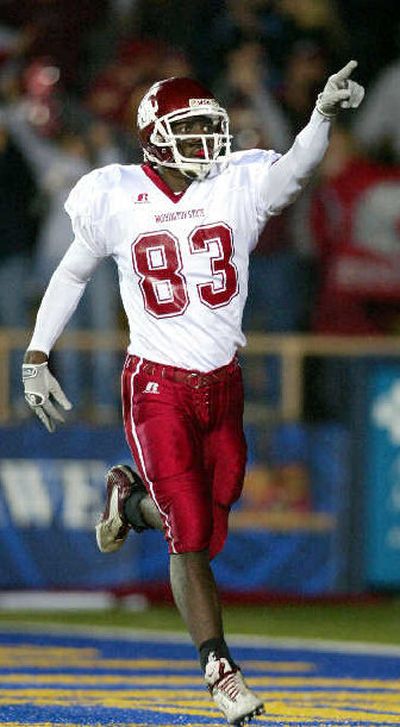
245 640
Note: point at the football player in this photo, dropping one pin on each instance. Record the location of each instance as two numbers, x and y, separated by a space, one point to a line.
180 228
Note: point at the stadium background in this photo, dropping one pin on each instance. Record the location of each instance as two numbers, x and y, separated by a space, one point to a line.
314 549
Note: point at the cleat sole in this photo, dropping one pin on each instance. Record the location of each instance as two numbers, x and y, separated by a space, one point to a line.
243 721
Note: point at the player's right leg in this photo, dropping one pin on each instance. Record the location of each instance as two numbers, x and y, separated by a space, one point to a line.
127 507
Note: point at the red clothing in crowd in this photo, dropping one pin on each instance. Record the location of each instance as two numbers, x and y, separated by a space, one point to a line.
356 225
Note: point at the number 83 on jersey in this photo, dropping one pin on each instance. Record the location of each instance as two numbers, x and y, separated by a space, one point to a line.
157 260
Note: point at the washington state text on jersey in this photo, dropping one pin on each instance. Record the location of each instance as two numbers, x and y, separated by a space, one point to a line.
179 215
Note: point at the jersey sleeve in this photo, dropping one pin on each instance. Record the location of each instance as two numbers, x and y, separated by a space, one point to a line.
259 168
62 296
84 207
279 178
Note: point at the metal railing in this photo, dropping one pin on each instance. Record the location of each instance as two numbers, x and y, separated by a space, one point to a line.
292 351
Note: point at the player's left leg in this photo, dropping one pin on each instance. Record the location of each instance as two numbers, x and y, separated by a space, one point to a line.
226 453
196 596
226 456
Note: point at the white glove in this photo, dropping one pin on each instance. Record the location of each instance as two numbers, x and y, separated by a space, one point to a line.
39 386
340 93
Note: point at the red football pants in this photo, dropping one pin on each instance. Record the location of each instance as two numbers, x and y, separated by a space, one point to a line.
185 432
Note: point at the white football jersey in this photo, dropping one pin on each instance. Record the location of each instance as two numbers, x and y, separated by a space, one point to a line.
182 258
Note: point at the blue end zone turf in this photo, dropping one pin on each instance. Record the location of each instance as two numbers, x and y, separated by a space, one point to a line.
80 680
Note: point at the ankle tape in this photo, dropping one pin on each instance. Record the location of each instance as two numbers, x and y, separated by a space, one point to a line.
132 509
219 648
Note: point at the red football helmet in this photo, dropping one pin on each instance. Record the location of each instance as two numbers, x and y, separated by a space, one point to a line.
176 100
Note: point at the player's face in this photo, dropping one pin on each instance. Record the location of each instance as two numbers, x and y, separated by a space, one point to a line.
195 127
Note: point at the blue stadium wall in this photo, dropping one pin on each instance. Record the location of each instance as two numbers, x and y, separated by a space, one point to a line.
289 533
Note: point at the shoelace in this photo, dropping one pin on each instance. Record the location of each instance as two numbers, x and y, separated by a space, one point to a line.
229 685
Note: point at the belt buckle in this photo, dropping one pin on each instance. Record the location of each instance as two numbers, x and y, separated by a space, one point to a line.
194 380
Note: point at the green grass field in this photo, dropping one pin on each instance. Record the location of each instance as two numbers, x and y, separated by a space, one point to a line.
371 622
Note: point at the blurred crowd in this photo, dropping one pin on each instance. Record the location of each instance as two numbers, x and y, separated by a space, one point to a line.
71 77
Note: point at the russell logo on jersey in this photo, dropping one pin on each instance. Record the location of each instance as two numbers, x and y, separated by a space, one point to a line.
142 198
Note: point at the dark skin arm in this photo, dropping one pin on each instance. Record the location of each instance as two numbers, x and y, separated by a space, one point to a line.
35 357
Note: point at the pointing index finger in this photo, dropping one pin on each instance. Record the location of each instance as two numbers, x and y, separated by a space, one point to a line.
346 71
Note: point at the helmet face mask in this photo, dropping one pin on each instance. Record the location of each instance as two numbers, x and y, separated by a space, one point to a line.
170 142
